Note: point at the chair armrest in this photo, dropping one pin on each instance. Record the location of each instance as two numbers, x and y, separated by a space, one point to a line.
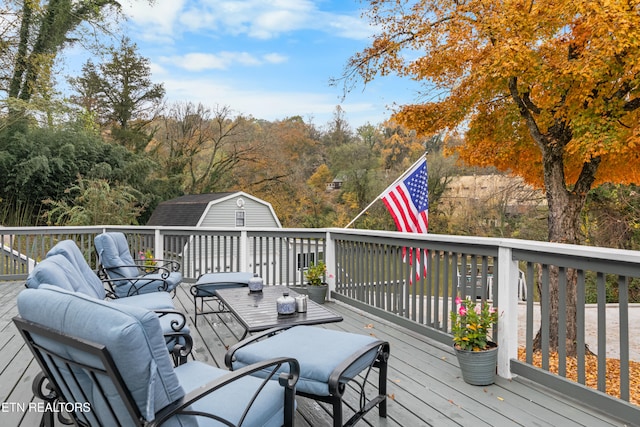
143 269
184 343
286 380
382 356
176 325
137 282
166 264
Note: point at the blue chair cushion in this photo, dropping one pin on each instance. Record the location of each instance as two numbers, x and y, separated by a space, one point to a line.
115 256
70 250
132 335
113 251
229 402
319 352
150 301
57 270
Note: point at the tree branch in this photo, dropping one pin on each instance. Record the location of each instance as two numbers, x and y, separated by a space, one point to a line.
530 105
587 176
632 105
538 137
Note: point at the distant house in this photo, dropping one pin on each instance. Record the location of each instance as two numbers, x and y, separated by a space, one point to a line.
505 195
231 209
227 210
336 184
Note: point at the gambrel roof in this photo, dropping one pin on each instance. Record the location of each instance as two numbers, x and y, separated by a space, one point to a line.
190 210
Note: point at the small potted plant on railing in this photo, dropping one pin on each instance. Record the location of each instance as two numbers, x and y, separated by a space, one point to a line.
316 288
147 260
471 324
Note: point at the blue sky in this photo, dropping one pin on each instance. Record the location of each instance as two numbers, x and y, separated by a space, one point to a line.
270 59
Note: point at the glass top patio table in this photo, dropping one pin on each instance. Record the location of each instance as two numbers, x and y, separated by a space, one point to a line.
257 311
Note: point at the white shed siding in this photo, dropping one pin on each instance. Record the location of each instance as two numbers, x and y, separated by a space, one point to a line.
213 257
223 214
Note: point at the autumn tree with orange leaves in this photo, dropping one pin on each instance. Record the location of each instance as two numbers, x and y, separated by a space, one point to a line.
548 90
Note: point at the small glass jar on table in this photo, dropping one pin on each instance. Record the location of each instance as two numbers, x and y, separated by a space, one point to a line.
286 305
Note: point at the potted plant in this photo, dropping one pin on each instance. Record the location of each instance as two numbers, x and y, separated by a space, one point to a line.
316 288
147 260
471 323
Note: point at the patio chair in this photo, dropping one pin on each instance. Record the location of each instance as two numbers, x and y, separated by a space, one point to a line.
70 250
329 360
206 286
57 270
107 363
124 276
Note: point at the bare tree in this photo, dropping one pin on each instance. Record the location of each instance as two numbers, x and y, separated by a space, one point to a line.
202 144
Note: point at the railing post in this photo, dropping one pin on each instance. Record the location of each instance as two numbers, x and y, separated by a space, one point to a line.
158 245
507 310
244 251
330 262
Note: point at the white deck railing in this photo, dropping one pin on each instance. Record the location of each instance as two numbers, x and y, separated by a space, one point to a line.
369 269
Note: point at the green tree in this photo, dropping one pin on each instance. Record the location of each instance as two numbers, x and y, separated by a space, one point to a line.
95 202
612 216
338 130
120 92
44 28
358 165
42 163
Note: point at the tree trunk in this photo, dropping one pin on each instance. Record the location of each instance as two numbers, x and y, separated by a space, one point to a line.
565 205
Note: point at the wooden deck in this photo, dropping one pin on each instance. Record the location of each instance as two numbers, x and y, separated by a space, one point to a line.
425 387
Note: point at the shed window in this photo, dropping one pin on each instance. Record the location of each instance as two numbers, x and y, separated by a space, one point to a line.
240 218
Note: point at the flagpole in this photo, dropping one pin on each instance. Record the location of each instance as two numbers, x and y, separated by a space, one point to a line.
389 186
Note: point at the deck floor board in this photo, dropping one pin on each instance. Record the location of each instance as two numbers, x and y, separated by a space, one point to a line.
425 387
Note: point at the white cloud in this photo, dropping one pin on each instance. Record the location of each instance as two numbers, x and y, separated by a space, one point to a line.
349 27
221 61
275 58
158 18
261 19
230 53
269 24
268 105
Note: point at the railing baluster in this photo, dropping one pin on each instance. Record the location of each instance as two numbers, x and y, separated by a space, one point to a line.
545 300
580 324
623 316
602 332
529 313
562 322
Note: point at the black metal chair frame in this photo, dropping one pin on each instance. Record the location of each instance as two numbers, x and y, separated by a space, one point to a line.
337 384
207 292
180 352
137 283
50 361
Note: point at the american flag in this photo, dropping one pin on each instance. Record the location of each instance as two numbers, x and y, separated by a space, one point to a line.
408 204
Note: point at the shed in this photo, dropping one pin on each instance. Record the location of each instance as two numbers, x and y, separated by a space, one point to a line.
214 253
230 209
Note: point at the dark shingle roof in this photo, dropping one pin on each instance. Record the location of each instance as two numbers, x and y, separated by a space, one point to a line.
183 211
